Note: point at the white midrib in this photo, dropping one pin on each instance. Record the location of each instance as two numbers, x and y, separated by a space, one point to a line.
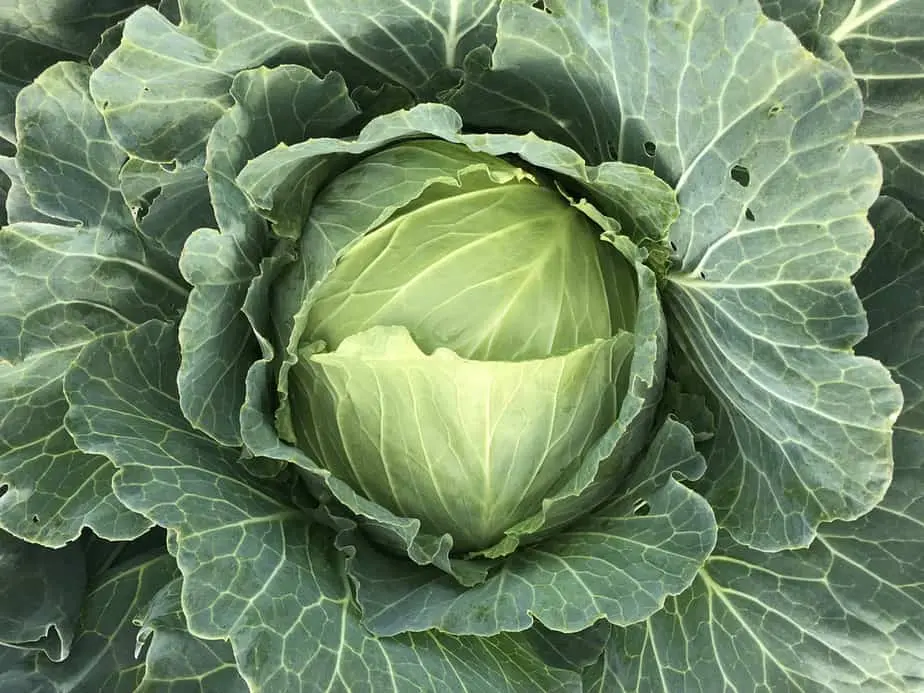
486 439
891 139
856 19
452 35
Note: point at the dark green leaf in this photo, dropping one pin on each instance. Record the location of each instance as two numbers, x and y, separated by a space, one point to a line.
48 585
164 74
285 104
66 160
176 661
103 654
60 289
882 43
845 615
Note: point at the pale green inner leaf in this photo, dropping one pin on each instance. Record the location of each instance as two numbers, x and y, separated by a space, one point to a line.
492 271
468 447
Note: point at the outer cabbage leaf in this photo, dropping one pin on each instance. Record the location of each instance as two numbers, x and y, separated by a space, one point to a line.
73 172
49 586
882 42
68 164
166 203
575 651
766 315
284 104
801 16
61 288
903 172
37 36
177 662
17 205
18 675
256 569
186 71
103 654
845 615
34 36
5 184
7 114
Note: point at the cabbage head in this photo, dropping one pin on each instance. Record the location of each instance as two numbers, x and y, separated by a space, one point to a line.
402 346
458 361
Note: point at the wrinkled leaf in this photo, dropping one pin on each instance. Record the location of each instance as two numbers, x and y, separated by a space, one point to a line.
845 615
163 73
67 162
49 587
61 288
882 42
103 654
287 103
177 662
